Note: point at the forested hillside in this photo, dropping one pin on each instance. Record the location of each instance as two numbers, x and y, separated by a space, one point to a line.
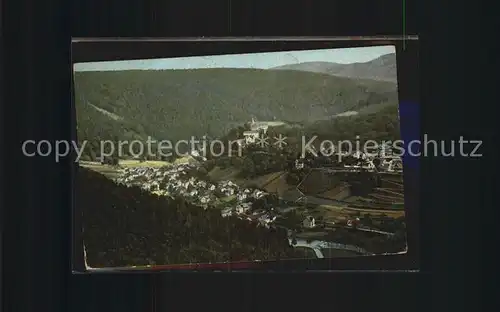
178 104
129 226
380 125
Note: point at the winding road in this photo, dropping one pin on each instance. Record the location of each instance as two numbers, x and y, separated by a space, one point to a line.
317 246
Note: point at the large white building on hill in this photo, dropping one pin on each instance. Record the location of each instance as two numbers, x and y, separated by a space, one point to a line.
251 136
258 126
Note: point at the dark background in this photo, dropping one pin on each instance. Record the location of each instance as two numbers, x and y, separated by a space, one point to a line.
36 62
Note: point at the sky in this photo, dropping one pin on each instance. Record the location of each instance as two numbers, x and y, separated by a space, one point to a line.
251 60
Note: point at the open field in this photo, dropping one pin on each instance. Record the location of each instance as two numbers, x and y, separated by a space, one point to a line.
264 180
108 171
182 160
331 213
148 163
376 212
278 185
227 198
112 172
129 163
219 174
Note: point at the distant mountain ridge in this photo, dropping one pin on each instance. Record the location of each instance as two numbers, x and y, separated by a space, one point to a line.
382 68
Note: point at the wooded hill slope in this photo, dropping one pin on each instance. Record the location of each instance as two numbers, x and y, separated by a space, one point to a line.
125 226
178 104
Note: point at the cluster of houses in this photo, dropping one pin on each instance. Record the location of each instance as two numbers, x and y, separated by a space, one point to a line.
244 211
387 161
231 199
175 180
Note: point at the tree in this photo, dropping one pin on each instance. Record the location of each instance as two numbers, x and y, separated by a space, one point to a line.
367 220
273 199
202 172
115 161
248 167
252 186
115 157
294 237
260 203
262 166
237 162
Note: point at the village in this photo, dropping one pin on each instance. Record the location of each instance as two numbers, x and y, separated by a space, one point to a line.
253 205
262 207
309 215
182 180
383 159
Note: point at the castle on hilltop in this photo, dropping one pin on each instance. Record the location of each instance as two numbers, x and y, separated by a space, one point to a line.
256 128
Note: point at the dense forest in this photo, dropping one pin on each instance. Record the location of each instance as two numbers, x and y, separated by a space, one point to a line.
128 226
382 125
178 104
367 125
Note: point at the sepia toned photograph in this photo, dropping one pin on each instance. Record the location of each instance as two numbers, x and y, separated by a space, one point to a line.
239 158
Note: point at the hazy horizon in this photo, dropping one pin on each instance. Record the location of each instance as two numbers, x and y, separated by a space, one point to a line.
248 60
